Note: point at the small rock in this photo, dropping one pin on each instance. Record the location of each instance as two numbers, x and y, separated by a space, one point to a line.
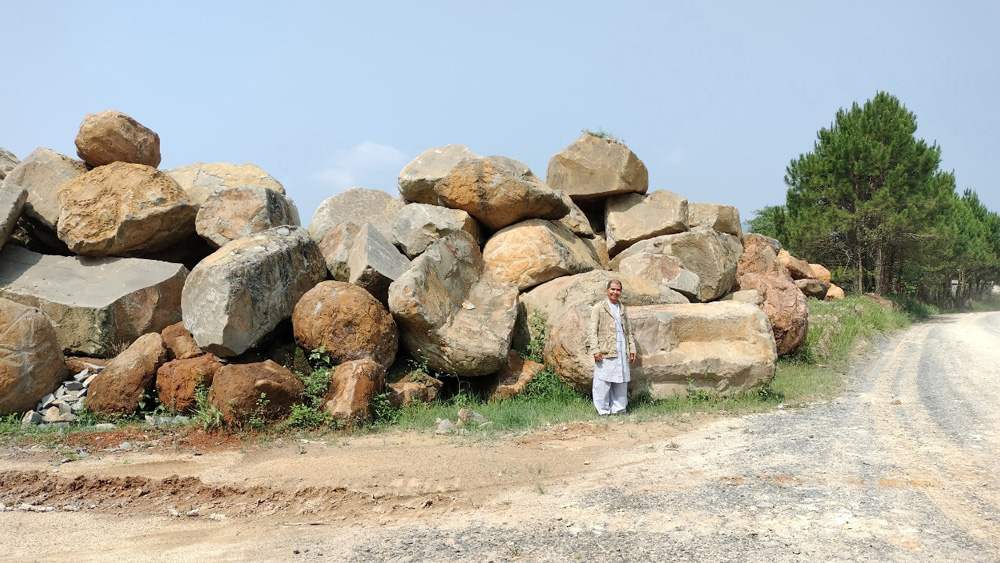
192 513
82 376
217 517
104 426
173 512
31 417
125 446
445 427
72 385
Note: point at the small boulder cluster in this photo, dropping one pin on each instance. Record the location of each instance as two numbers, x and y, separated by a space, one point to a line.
199 283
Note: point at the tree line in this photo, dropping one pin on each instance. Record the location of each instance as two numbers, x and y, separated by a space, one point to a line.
872 204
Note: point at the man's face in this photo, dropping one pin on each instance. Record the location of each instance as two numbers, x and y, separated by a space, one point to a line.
614 293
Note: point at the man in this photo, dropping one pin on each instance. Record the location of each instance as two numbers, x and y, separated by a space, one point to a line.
610 341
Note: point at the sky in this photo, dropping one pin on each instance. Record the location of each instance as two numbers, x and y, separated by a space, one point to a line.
716 98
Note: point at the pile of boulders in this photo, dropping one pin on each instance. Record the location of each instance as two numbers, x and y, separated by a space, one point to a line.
202 277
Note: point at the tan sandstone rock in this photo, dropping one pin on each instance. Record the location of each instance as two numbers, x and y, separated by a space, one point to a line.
576 220
241 292
419 178
374 263
820 272
336 249
592 168
664 269
201 180
352 387
7 162
179 342
119 387
722 218
347 322
630 218
177 380
418 225
263 391
760 256
514 377
356 205
31 360
111 136
784 305
798 269
12 200
709 254
123 209
536 251
834 293
450 313
41 174
415 388
240 212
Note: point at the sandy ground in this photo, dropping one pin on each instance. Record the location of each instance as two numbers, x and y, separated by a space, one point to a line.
903 467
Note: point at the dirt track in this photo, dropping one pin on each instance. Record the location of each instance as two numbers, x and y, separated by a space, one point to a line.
903 467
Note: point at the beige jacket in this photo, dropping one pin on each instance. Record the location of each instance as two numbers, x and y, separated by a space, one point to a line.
601 333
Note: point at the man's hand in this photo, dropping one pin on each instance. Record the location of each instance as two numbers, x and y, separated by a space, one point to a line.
631 357
598 357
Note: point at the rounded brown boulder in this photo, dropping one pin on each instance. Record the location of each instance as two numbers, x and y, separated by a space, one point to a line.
119 388
177 380
262 390
347 322
31 360
111 136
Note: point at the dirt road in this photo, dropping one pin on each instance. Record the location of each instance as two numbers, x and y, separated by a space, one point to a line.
903 467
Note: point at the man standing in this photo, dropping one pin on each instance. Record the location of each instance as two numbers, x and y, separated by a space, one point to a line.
610 341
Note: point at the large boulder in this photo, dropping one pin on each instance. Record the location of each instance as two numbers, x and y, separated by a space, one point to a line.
594 167
240 212
178 380
820 272
797 268
353 385
631 218
31 361
336 249
111 136
709 254
96 304
813 288
496 190
452 314
834 293
722 218
12 200
576 220
374 263
259 391
419 225
179 342
415 388
7 162
723 347
787 308
200 180
120 386
650 264
239 293
536 251
123 209
347 323
760 256
41 174
418 179
356 205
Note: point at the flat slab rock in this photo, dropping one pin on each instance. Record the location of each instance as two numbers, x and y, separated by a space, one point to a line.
94 303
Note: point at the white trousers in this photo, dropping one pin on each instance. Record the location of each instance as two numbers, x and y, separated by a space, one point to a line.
610 398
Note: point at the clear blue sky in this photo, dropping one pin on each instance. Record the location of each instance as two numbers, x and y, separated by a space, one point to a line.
715 97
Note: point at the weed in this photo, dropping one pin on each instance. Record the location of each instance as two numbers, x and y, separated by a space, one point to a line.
258 418
540 488
601 134
383 413
207 415
536 344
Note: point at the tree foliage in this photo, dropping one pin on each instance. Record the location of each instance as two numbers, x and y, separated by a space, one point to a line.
871 200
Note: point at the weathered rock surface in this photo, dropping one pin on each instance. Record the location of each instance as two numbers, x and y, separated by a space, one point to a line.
450 313
784 305
593 167
374 263
709 254
119 387
243 290
535 251
336 249
497 191
414 389
820 272
179 342
41 174
419 178
798 269
31 360
227 215
834 293
576 220
122 209
745 296
722 218
652 265
631 218
356 205
760 256
12 200
813 288
95 304
262 390
200 180
419 225
7 162
599 246
111 136
515 376
347 322
352 387
723 347
177 380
